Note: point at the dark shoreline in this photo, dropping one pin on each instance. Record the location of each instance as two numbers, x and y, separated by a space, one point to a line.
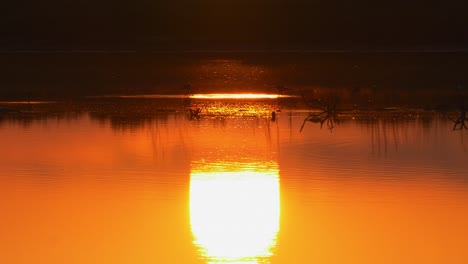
429 80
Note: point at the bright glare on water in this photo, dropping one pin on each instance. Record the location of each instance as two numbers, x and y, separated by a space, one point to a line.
234 211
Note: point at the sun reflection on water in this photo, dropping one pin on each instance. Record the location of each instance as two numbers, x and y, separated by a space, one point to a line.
235 211
237 96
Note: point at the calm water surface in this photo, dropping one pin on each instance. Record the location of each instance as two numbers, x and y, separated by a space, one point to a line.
233 188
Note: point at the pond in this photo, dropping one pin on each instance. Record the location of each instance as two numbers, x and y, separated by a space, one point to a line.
141 180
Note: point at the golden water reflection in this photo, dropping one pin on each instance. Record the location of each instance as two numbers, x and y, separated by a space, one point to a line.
235 210
236 96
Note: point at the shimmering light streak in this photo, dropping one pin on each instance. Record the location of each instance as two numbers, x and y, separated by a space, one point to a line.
236 96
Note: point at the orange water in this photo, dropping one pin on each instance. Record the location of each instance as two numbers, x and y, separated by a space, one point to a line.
239 189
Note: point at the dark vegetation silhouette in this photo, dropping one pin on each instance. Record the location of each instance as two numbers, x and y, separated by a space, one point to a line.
4 110
326 107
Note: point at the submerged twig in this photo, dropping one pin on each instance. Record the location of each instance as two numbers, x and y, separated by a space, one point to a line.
329 114
195 114
459 123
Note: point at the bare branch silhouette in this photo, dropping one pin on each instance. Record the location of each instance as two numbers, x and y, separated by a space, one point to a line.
328 113
459 123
